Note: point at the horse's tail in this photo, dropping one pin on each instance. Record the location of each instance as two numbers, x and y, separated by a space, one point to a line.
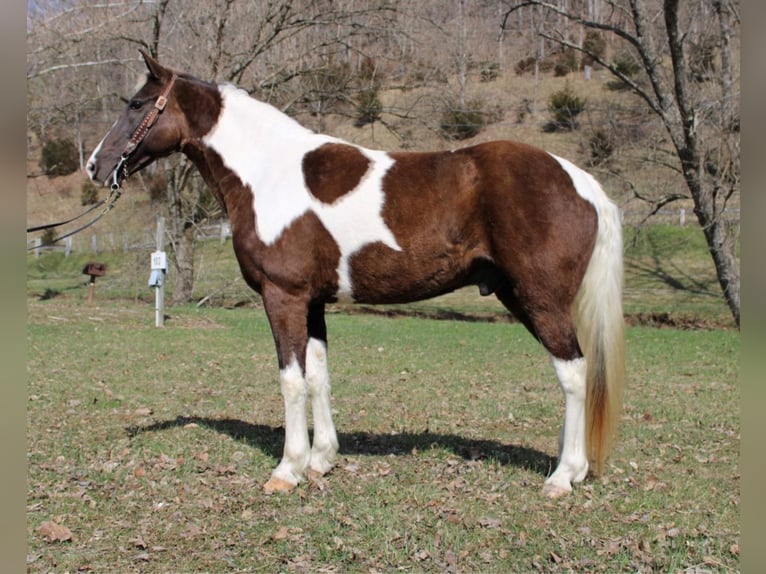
601 327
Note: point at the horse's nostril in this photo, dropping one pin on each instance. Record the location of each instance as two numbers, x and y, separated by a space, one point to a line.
91 167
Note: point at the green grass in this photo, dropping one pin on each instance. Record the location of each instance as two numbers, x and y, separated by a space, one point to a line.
150 445
668 270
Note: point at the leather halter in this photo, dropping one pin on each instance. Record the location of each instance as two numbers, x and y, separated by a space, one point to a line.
140 132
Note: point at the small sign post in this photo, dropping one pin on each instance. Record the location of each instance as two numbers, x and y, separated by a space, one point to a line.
159 265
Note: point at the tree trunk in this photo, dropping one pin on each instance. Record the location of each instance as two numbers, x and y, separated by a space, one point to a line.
181 231
184 256
709 211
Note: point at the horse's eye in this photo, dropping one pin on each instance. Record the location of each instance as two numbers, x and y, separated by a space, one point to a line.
135 104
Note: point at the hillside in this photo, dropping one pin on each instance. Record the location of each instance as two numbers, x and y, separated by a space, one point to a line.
667 282
516 107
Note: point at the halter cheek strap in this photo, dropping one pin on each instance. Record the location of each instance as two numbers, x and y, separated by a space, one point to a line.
138 135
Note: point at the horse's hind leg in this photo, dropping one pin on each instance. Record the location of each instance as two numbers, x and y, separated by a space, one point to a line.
552 326
325 444
573 459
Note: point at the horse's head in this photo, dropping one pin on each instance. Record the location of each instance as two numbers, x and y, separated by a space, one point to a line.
151 126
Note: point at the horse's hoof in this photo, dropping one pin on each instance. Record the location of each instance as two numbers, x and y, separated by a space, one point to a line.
275 484
555 491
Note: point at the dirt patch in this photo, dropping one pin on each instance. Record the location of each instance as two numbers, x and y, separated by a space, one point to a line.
677 321
645 319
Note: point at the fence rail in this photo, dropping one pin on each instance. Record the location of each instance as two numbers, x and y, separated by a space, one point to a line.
124 242
221 231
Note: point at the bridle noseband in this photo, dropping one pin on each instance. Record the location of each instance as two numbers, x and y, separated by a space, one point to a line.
138 135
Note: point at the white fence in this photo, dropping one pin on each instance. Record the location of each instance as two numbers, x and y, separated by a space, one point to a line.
221 231
125 241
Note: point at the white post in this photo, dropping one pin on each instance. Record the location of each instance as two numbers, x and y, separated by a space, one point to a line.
159 291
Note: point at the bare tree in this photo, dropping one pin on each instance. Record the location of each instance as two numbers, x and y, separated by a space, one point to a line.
695 95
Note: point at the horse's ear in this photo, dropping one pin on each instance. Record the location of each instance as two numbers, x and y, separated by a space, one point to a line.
156 71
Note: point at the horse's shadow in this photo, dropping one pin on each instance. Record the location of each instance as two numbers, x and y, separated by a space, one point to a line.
271 439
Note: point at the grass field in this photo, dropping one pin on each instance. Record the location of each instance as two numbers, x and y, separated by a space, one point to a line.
147 447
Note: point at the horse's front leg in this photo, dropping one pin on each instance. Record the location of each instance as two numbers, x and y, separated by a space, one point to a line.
325 445
288 319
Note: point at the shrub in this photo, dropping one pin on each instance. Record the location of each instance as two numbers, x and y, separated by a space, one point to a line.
369 71
601 147
524 65
625 63
565 106
489 71
459 123
546 66
368 107
49 236
59 157
88 193
702 57
565 63
156 185
595 44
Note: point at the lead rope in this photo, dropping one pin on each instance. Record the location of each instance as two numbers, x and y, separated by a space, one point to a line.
109 200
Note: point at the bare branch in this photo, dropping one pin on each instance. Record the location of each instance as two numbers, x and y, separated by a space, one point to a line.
75 65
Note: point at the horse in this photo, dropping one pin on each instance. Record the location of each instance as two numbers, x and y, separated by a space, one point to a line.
315 220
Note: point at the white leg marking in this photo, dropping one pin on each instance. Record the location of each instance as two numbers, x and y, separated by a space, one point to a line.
296 455
325 445
573 460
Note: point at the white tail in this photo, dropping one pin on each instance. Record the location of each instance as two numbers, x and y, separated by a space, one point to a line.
600 323
601 331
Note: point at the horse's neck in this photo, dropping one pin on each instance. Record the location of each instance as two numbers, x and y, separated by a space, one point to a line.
255 141
252 145
250 132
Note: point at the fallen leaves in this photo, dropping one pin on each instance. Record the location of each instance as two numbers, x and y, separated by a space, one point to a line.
54 532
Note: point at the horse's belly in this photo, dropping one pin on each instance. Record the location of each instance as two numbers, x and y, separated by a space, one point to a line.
379 274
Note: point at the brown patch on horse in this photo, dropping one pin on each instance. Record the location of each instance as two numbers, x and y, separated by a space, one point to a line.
433 208
333 170
200 103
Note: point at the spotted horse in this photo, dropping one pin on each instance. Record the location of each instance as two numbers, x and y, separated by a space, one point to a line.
315 219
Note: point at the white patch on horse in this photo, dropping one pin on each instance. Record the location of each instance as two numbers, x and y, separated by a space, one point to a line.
91 163
265 148
355 219
584 183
